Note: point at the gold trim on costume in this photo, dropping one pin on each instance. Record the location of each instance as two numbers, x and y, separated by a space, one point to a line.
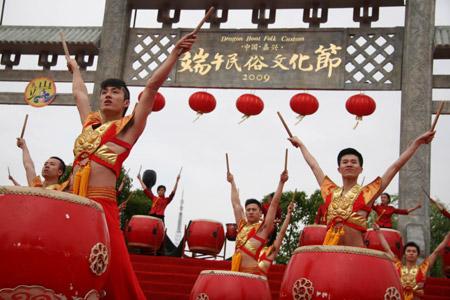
343 249
107 155
233 273
57 195
342 205
103 192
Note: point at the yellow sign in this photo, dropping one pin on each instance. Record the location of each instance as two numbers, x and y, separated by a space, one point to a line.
40 92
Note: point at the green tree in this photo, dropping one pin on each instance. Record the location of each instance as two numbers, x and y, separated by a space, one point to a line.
440 227
304 213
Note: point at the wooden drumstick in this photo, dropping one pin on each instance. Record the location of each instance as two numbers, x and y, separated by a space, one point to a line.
293 196
180 171
437 116
140 168
228 165
210 11
66 50
286 160
24 125
129 197
9 173
284 123
373 216
426 194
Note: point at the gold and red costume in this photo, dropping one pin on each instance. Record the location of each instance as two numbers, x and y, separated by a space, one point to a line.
245 233
321 217
37 182
121 282
385 213
410 278
343 208
264 263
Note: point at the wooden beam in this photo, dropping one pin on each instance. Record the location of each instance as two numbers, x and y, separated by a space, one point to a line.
441 81
435 107
57 76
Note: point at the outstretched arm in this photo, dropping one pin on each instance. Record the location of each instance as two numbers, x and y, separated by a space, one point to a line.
433 256
13 180
79 90
176 185
310 160
425 138
235 201
419 205
384 243
436 204
140 180
124 178
155 82
27 161
271 211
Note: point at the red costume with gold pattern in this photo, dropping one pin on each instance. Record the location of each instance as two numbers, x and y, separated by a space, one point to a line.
37 182
245 233
121 282
410 278
343 208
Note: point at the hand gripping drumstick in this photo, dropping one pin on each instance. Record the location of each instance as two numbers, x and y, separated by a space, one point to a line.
437 116
66 50
24 125
284 123
210 11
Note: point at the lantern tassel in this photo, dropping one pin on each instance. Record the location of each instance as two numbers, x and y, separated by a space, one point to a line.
244 117
358 118
299 117
199 114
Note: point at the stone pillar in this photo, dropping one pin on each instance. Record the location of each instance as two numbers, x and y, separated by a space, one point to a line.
417 72
113 44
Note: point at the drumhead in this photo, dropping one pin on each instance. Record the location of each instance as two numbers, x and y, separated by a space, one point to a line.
343 249
315 225
146 217
233 273
47 193
386 229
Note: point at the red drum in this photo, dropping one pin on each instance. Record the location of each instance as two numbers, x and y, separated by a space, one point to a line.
340 272
145 232
446 260
231 231
393 237
313 235
226 285
54 245
205 236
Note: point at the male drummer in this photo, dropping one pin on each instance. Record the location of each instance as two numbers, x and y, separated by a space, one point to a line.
101 149
351 203
412 275
52 170
252 235
160 202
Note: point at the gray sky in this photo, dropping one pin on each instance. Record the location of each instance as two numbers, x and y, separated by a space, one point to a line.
256 148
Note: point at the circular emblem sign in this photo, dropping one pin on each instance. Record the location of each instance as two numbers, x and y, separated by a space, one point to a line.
41 91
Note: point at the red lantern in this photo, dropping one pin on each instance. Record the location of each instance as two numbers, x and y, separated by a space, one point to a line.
159 103
202 103
304 104
249 105
360 105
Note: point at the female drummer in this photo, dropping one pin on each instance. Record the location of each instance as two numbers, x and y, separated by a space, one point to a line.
385 211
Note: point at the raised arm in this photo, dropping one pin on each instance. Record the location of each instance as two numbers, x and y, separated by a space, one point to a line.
436 204
140 180
155 82
235 201
79 90
384 243
176 185
433 256
13 180
419 205
287 220
28 164
124 178
310 160
425 138
272 210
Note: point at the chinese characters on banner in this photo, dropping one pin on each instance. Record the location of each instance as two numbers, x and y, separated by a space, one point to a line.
270 59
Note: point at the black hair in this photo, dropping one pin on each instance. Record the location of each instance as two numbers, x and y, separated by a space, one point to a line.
271 194
161 186
117 83
387 195
253 201
62 165
347 151
411 244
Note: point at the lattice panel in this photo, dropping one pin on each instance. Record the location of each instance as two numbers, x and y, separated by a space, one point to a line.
373 59
147 50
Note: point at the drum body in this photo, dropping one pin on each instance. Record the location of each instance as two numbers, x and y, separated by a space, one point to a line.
53 243
145 232
231 231
313 235
393 237
205 236
340 272
446 260
226 285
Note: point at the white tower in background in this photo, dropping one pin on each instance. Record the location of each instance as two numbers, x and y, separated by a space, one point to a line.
180 217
